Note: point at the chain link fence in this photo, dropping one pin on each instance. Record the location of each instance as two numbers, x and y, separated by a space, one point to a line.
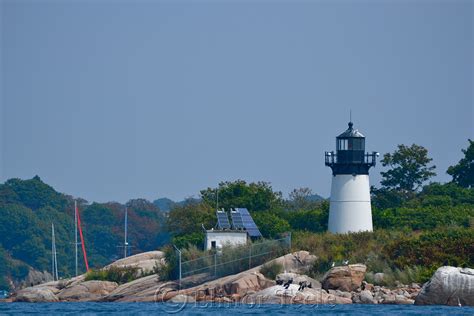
233 259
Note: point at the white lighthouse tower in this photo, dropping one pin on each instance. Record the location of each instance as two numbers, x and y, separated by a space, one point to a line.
349 209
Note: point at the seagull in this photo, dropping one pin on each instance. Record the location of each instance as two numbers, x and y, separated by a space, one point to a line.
345 262
333 264
459 303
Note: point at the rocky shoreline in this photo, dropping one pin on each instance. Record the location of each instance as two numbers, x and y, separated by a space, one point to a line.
340 285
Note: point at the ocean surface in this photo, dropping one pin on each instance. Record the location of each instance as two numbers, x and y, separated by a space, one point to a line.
220 309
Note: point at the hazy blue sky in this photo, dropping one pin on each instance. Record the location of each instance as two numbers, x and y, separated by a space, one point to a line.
112 100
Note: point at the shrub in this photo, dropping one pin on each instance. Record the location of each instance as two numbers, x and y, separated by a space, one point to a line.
271 269
423 218
114 274
432 249
188 240
309 220
404 255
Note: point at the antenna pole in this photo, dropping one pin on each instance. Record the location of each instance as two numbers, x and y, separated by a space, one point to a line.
52 250
75 230
125 241
350 115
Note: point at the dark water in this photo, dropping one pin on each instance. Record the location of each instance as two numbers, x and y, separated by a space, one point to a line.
220 309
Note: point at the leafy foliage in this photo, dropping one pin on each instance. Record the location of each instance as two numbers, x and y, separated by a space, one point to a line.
169 271
120 275
185 241
313 220
35 194
422 218
457 195
254 196
303 199
189 218
270 224
28 207
417 228
398 253
454 246
463 171
387 197
408 168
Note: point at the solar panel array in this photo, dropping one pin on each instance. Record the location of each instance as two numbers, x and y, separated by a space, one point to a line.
247 222
237 221
223 220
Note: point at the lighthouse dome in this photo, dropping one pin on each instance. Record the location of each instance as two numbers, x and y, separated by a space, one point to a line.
351 132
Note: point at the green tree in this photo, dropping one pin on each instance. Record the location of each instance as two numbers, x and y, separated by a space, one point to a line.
188 218
463 172
185 241
145 217
387 197
257 196
457 194
408 168
309 220
303 199
270 225
28 207
35 194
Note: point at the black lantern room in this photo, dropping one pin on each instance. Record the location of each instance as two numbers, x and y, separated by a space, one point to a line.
350 156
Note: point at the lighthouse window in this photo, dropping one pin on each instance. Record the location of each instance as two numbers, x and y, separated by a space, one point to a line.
357 144
342 144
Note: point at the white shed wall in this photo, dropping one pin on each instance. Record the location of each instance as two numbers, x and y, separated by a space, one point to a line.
225 237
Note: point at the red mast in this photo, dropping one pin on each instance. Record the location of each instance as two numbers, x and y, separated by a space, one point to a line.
82 239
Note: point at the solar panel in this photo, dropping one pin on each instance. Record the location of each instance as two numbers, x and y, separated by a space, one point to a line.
248 223
222 220
237 221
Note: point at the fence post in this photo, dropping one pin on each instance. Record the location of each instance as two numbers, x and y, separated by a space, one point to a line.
179 264
250 256
215 263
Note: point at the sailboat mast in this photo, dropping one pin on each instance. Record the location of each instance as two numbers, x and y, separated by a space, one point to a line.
75 230
125 241
54 256
52 250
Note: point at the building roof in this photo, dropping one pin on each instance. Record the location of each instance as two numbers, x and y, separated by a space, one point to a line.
351 132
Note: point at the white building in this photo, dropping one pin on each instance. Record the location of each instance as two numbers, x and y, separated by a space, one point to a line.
239 233
216 239
350 209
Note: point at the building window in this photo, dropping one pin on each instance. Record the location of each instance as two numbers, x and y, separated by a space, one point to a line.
213 244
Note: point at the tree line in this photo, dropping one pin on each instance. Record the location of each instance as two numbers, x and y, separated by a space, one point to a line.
405 201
